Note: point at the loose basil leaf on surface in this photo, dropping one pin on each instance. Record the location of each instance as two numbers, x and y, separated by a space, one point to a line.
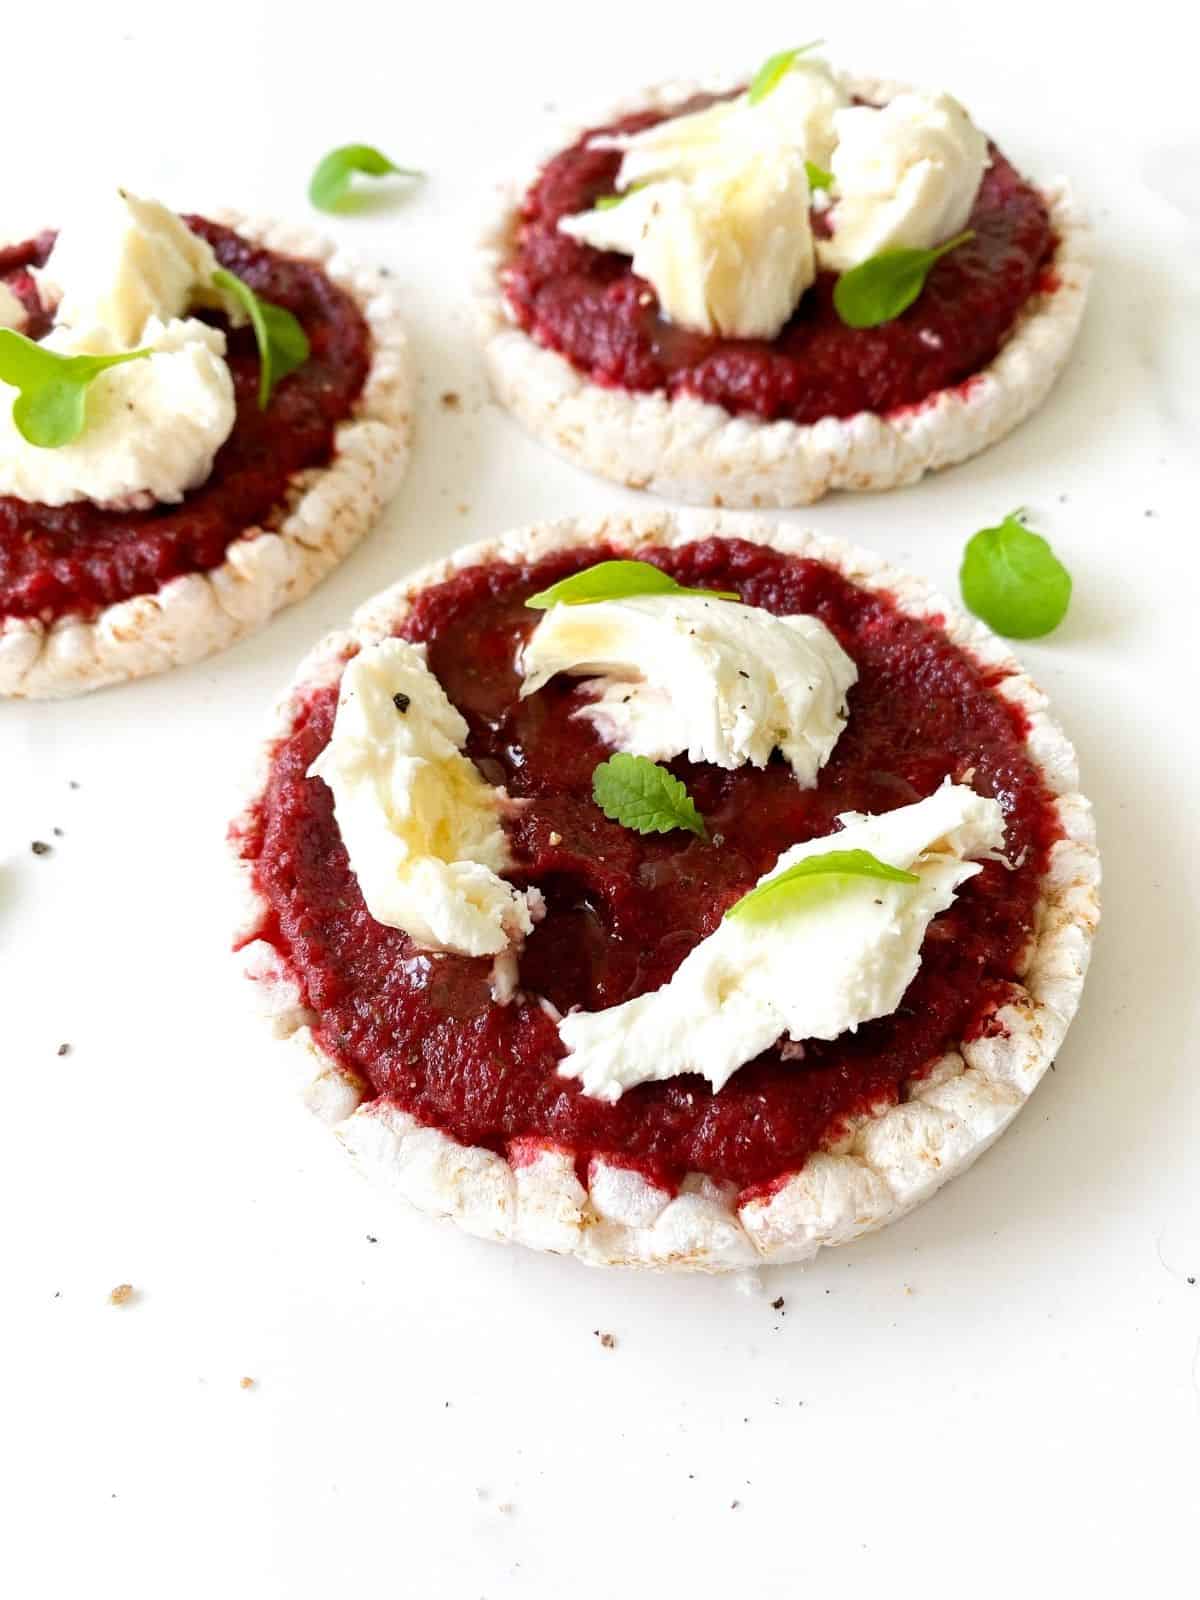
282 343
879 289
50 409
778 895
818 178
639 794
330 183
1012 579
615 580
774 69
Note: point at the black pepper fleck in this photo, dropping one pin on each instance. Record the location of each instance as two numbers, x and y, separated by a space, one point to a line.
401 702
64 1049
777 1305
40 847
371 1239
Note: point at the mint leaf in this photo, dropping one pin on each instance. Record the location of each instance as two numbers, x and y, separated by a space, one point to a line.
1013 580
50 409
879 289
818 178
282 343
330 183
639 794
774 69
779 895
615 580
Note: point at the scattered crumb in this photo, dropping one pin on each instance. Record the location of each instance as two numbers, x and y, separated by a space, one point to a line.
372 1239
735 1505
608 1341
1191 1280
505 1507
777 1305
556 838
462 508
40 847
246 1383
64 1050
71 783
57 832
452 400
121 1295
908 1289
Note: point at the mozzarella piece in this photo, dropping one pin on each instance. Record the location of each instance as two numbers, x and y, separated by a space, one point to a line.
152 429
12 312
124 261
729 252
905 176
420 824
721 682
829 962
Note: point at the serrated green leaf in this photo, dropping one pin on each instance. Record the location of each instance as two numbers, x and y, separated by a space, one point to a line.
879 289
330 182
616 580
779 895
282 343
51 406
774 69
639 794
1011 578
818 178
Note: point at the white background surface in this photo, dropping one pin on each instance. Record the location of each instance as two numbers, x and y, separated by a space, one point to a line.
1002 1391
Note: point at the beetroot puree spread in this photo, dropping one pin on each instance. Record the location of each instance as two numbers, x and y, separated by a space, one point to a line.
77 558
590 306
623 910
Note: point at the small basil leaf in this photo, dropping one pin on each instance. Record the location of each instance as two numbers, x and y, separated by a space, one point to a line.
51 406
818 178
639 794
780 894
282 343
879 289
774 69
606 202
330 182
615 580
1012 579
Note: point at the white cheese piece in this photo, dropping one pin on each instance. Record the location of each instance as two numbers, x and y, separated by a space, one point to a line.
419 822
729 252
905 176
152 428
126 260
832 960
12 312
721 682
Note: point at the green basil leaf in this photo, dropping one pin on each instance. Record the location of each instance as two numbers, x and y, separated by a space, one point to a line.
779 895
1012 579
818 178
615 580
879 289
606 202
774 69
282 343
639 794
330 183
50 409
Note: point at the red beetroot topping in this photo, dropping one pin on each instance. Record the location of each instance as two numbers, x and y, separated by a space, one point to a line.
591 307
78 559
624 910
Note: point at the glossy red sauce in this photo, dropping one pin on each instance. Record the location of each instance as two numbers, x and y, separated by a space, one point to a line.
624 910
590 306
78 559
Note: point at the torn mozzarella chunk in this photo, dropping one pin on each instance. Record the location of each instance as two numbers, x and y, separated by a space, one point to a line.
717 681
419 822
905 176
819 967
153 426
124 261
